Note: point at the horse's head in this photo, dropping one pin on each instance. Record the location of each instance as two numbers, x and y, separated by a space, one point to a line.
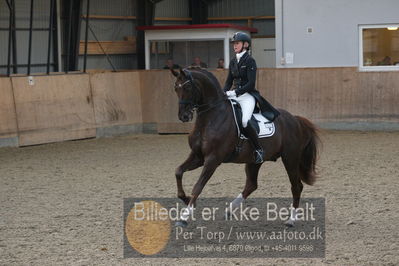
188 93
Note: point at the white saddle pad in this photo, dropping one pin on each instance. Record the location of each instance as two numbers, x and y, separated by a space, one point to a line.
266 128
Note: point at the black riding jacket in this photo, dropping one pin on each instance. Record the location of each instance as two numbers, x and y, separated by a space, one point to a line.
242 75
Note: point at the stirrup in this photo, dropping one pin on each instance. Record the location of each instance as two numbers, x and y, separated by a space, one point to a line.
258 156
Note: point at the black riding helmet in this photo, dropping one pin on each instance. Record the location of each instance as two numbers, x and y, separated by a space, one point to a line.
241 37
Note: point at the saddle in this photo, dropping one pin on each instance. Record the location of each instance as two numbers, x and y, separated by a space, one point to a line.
264 127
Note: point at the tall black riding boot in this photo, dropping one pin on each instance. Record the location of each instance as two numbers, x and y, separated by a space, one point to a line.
251 134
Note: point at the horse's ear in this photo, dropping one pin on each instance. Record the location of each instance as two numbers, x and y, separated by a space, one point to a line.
174 73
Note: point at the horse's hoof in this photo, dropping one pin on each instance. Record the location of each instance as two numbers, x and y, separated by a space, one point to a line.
186 200
181 224
289 223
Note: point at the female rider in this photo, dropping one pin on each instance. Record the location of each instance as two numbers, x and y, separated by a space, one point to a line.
242 74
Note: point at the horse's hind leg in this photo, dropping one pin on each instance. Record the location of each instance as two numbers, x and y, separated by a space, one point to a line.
191 163
291 165
251 184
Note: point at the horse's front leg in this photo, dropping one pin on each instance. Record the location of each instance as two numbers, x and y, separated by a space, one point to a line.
210 165
191 163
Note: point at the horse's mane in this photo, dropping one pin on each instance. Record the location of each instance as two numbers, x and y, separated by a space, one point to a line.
205 73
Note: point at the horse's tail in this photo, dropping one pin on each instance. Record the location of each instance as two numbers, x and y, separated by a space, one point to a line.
309 156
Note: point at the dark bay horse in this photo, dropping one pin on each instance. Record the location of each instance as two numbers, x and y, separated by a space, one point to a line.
214 139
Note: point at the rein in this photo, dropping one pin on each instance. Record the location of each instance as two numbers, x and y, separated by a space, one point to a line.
211 106
195 106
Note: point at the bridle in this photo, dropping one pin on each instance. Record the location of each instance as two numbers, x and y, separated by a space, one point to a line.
196 91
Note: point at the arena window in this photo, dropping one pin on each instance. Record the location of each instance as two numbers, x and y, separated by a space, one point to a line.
379 47
185 53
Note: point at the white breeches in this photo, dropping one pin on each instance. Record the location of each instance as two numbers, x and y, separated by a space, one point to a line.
247 103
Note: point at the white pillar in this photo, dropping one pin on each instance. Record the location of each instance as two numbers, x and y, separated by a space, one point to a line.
279 40
147 53
226 52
